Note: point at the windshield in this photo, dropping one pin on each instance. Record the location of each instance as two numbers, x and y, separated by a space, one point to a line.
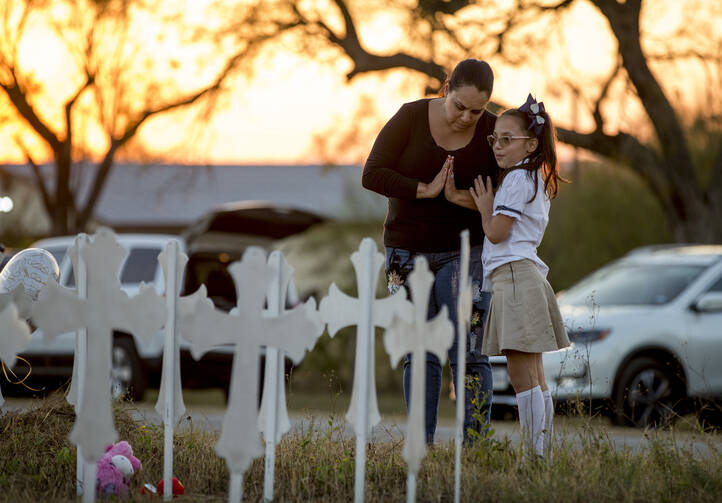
631 284
140 265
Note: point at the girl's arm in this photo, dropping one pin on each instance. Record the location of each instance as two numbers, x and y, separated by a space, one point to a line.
496 227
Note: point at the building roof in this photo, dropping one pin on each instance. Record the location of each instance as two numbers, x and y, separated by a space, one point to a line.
156 195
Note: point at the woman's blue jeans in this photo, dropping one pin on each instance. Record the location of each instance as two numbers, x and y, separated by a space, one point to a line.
445 292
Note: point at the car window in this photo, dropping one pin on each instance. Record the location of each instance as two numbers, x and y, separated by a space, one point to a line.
140 265
632 284
58 254
70 278
717 286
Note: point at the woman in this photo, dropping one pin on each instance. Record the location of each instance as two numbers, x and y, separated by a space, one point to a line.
424 160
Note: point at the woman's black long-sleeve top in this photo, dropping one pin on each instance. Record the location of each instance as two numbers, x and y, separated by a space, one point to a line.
404 154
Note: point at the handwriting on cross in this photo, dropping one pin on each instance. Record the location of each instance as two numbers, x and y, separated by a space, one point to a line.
15 336
247 328
106 308
422 336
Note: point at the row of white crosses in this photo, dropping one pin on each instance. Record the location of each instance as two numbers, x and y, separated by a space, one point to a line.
97 308
101 306
408 332
249 327
418 337
339 310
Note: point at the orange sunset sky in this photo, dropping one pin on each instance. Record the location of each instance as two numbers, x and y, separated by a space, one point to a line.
291 98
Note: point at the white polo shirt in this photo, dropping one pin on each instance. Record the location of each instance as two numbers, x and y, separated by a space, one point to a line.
527 231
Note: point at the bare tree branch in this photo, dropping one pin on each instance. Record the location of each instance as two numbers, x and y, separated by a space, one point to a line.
107 163
665 164
624 20
432 7
623 148
19 100
364 61
597 113
675 55
39 181
68 143
714 191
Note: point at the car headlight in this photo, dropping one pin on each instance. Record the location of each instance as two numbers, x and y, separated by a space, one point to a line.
588 336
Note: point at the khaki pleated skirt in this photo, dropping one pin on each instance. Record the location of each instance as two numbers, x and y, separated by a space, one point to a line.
524 315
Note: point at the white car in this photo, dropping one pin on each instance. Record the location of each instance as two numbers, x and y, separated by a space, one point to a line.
134 362
646 334
212 243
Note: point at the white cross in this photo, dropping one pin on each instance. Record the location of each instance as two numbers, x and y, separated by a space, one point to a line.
107 308
171 254
339 310
273 420
419 337
170 404
247 328
80 271
463 321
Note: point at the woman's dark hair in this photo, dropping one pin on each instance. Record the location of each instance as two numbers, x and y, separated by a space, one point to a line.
472 72
543 159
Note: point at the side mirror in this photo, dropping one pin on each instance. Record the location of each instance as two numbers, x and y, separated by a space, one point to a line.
709 302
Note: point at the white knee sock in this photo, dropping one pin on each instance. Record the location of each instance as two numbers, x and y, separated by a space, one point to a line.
548 419
531 418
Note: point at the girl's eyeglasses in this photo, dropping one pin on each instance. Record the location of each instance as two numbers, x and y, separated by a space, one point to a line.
504 141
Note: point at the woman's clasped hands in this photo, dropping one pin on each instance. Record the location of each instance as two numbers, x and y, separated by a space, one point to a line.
440 181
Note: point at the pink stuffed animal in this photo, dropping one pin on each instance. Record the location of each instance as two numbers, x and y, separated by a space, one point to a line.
115 468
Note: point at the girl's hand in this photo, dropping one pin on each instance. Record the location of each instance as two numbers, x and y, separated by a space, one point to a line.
496 228
434 188
483 194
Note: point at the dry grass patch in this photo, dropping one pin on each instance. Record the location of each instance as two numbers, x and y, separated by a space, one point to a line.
317 464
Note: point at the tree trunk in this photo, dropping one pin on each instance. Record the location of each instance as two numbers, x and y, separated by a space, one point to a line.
59 217
705 229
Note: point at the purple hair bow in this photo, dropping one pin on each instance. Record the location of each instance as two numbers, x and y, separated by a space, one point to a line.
533 110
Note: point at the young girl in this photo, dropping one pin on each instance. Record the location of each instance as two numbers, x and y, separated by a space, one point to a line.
524 319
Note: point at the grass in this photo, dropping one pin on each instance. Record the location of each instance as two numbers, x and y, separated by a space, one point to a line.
317 464
314 403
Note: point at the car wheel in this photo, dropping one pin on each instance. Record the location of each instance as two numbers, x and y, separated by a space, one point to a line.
126 375
647 394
